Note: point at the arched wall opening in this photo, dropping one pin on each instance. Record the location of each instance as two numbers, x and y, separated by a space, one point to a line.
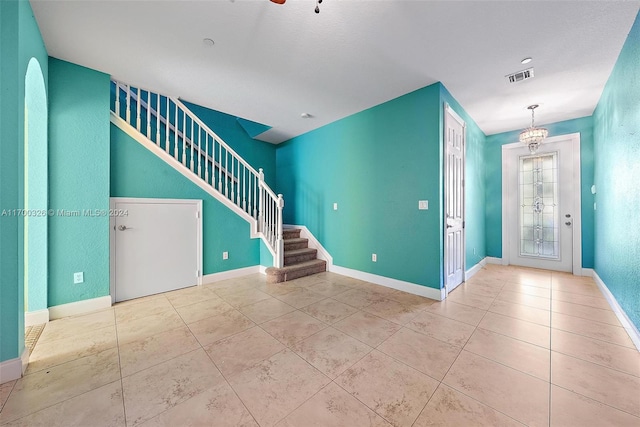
36 190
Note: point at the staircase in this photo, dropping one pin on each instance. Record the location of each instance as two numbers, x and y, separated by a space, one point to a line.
299 259
169 129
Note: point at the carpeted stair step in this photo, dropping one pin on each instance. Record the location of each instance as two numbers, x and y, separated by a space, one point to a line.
291 233
295 271
297 243
295 256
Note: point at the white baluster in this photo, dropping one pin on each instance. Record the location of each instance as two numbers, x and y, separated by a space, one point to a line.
250 210
206 157
260 201
219 165
199 153
158 118
238 184
184 138
167 122
148 133
279 240
138 113
244 189
193 141
272 222
117 99
226 172
128 114
232 177
175 131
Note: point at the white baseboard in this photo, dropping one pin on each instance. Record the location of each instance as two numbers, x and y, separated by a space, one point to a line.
263 269
79 307
314 243
588 272
13 369
493 260
473 270
627 324
230 274
412 288
37 317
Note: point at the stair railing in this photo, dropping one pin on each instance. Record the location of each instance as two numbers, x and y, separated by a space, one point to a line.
173 127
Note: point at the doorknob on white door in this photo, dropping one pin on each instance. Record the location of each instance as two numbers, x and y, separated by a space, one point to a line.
122 227
567 223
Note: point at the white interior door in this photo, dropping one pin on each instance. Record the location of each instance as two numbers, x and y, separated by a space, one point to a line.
541 205
454 140
157 246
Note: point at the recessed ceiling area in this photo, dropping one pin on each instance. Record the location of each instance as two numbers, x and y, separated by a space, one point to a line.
271 62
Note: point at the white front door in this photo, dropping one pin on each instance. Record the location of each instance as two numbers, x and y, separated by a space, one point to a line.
542 213
454 141
157 246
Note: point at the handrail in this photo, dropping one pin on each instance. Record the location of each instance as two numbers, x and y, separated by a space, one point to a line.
207 129
164 121
237 181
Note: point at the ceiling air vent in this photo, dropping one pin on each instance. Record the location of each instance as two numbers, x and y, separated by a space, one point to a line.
520 75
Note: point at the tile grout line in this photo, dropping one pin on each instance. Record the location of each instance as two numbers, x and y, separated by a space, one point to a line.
445 375
229 384
550 353
124 407
68 398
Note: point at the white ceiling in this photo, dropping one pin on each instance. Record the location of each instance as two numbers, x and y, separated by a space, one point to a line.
270 62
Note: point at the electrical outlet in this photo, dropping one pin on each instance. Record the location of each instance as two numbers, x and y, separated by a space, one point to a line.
335 206
78 277
225 255
423 205
374 257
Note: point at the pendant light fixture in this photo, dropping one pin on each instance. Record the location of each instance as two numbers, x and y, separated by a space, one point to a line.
533 136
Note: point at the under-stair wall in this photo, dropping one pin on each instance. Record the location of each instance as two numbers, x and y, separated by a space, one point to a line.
171 131
136 172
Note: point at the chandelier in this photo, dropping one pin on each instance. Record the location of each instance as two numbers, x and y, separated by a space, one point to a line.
532 136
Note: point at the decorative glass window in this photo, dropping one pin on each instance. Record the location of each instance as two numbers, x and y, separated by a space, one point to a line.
538 188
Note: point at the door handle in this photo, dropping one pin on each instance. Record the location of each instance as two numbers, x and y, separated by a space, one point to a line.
449 226
567 223
122 227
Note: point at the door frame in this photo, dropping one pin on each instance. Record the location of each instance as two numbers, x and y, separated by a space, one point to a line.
112 233
574 140
448 111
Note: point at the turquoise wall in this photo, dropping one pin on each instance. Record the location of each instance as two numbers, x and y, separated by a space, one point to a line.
258 154
493 195
137 172
376 165
78 180
20 40
617 153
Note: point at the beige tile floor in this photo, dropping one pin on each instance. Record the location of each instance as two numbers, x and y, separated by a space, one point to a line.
510 347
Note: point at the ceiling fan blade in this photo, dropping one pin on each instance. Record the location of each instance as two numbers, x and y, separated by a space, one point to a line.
278 1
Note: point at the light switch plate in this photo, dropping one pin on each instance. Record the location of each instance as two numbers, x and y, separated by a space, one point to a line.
78 277
374 257
225 255
423 205
335 206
